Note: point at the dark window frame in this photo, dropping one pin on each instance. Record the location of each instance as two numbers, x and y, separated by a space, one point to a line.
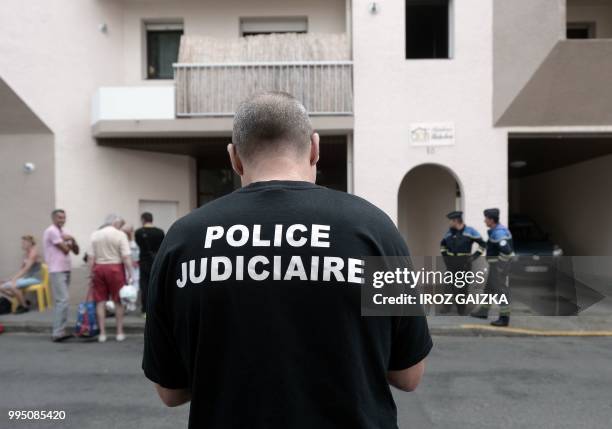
152 30
589 27
444 44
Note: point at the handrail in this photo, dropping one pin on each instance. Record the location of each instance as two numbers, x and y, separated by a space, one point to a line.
215 89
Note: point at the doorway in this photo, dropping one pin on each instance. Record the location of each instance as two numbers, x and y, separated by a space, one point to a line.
216 178
427 193
164 213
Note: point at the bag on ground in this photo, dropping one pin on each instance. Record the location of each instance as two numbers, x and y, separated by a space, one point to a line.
87 322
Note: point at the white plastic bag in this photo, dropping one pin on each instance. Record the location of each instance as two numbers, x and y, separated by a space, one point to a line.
129 296
110 307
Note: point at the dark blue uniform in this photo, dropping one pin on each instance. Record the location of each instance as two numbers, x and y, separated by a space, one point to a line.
500 251
456 249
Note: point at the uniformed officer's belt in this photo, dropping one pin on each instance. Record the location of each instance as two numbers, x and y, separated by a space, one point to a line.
500 259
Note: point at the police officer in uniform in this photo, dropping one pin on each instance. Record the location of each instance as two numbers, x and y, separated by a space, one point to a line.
456 249
500 251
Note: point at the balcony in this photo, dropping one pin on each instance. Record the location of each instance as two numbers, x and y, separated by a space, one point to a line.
215 89
213 75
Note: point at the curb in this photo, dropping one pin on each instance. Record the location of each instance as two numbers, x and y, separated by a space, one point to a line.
474 330
44 328
463 330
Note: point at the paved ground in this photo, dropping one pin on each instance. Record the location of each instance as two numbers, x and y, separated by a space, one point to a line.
596 320
518 383
98 385
475 382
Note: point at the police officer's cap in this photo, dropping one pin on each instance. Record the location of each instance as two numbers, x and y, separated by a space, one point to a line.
492 213
455 215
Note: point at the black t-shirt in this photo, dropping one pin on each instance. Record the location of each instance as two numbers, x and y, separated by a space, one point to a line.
149 240
255 307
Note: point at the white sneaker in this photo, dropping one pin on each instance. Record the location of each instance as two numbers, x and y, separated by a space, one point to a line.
101 338
121 337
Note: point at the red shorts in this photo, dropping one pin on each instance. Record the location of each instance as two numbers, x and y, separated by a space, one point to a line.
107 280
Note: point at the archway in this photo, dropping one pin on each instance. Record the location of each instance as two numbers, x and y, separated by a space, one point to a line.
427 193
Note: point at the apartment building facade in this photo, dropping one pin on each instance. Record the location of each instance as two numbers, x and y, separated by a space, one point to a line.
424 106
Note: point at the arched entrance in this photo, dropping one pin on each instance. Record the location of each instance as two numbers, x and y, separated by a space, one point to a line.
427 193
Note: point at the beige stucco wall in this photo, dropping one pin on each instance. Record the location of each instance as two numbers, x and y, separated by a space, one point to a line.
571 87
27 198
597 11
565 201
54 57
218 19
392 92
525 31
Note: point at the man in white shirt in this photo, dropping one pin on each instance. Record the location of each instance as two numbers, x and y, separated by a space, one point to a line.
112 268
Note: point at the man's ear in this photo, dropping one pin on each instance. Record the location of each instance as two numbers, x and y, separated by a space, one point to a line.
314 148
235 159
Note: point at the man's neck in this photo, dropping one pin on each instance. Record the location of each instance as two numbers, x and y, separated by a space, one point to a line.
147 225
280 168
269 177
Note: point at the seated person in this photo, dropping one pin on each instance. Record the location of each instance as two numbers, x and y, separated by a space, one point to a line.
29 274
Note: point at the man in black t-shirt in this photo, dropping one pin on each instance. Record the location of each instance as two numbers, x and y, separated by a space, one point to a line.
254 311
148 238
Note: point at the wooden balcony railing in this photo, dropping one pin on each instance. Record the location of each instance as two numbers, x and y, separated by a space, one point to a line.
215 89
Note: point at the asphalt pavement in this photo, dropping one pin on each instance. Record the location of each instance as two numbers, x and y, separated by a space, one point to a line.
475 382
595 320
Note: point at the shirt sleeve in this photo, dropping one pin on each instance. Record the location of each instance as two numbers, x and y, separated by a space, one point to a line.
443 248
502 240
482 246
505 248
411 342
55 236
162 362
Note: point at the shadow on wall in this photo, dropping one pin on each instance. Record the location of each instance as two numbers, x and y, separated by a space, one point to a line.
427 193
573 205
27 192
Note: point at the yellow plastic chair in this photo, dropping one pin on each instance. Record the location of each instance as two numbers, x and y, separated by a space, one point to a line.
42 290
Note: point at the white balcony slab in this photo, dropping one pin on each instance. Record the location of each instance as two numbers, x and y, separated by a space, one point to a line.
133 103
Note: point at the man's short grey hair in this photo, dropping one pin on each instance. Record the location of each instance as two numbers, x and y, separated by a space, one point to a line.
111 218
271 121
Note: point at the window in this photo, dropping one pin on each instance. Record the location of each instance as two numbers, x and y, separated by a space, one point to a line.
255 26
580 30
163 41
427 29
